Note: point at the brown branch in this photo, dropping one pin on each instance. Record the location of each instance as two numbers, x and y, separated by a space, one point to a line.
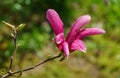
13 73
30 68
14 36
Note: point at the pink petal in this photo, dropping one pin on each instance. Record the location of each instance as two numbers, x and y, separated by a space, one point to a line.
78 45
89 32
59 38
81 21
55 21
65 48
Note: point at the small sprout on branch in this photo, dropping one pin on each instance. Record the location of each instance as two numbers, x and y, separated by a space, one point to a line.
13 36
9 25
20 27
49 56
62 58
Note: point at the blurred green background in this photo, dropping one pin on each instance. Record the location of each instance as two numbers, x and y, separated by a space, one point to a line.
102 59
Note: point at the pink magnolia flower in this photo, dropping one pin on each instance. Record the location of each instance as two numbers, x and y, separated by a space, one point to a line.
74 40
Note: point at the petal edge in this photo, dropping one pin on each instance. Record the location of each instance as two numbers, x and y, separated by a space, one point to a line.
55 21
66 49
78 45
59 38
79 23
89 32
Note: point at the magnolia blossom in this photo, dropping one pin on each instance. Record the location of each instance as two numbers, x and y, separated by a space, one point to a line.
74 40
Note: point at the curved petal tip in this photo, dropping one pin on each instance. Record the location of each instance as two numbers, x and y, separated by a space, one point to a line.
87 17
55 21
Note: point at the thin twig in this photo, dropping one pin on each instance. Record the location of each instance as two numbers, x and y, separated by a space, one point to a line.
13 73
33 67
15 50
